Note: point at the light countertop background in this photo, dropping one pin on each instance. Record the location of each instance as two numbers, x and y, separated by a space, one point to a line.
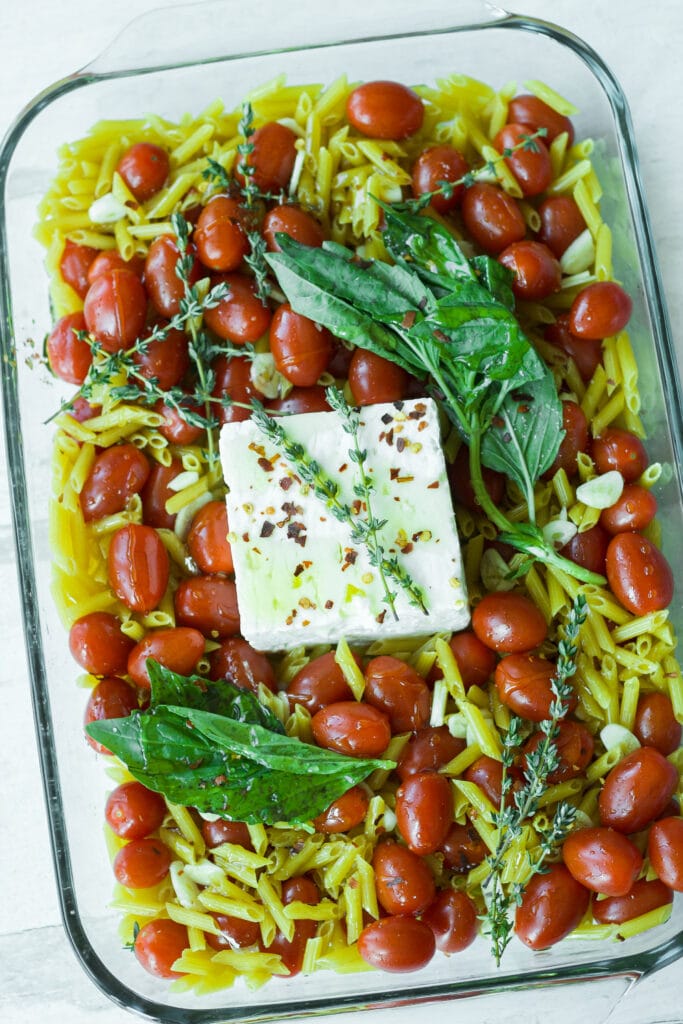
44 40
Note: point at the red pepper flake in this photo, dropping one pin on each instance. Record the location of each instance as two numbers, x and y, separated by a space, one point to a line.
522 409
290 509
389 438
265 464
245 538
343 467
398 405
386 419
381 617
350 557
297 533
409 319
267 529
440 336
352 883
401 444
356 506
433 486
285 483
498 421
329 604
407 548
393 473
422 426
220 780
305 622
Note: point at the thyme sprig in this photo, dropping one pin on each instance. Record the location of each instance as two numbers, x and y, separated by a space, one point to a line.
363 530
540 763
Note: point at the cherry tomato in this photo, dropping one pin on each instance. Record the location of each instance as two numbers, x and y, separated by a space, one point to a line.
69 357
302 890
220 238
144 167
537 272
534 113
640 899
138 567
215 833
461 482
552 906
233 380
301 400
132 811
272 157
301 348
634 510
159 944
492 217
116 475
398 690
98 645
319 683
487 773
463 848
523 682
475 660
175 428
373 379
509 623
292 221
240 317
637 790
428 750
530 164
110 259
638 573
156 493
115 309
424 811
397 944
348 727
600 310
81 410
434 166
167 360
665 850
178 649
341 359
603 860
385 110
209 604
573 743
207 539
235 933
621 450
403 880
656 725
586 354
575 440
142 863
111 698
561 223
239 663
453 918
589 549
74 265
344 813
163 285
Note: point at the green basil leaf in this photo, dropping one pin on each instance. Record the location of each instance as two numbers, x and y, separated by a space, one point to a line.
426 247
496 278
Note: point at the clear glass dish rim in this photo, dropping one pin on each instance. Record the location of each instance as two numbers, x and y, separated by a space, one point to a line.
634 965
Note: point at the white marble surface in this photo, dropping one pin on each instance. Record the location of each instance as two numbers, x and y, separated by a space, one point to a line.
42 41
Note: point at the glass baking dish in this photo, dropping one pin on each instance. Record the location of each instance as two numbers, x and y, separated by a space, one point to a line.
156 65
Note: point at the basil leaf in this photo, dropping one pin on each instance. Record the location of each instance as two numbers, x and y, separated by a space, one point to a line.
496 278
426 247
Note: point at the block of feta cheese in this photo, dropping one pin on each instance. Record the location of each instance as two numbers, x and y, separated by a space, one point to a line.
300 577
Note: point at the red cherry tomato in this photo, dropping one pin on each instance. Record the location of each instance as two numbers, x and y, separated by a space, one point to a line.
235 933
600 310
552 906
403 880
424 811
240 317
399 691
461 482
603 860
530 164
319 683
69 357
178 649
575 440
156 493
209 604
238 662
373 379
159 944
523 682
292 221
534 113
175 428
115 309
348 727
98 645
163 285
453 918
656 725
301 400
634 510
81 410
434 166
233 381
639 574
397 944
537 272
475 660
116 475
385 110
301 348
589 549
220 238
586 354
302 890
111 259
621 450
144 167
427 751
637 790
167 359
132 811
215 833
463 848
509 623
574 746
142 863
561 223
207 539
272 157
74 265
344 813
492 218
641 899
487 773
138 567
665 850
111 698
